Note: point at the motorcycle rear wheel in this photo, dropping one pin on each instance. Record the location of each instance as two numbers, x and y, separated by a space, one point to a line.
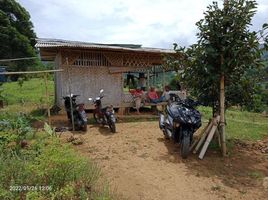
185 145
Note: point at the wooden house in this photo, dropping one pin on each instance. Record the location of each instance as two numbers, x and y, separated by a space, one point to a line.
89 67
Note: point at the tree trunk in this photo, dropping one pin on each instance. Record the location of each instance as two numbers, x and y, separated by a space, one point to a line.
222 105
222 123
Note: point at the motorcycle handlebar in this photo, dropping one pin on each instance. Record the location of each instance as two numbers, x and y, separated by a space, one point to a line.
72 96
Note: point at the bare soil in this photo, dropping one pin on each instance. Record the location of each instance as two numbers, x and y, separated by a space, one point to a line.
141 165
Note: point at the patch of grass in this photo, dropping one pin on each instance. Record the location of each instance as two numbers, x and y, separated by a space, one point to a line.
31 91
214 145
256 175
241 124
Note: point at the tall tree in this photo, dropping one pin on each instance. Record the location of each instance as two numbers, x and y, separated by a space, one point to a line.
17 37
225 45
226 51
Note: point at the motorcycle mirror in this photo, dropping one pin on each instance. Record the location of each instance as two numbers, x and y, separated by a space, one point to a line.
90 99
101 91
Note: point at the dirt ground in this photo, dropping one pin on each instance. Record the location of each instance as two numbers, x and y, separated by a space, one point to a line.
141 165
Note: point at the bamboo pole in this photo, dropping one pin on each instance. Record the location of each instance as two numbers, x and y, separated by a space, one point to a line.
31 72
200 136
148 79
70 93
164 77
210 136
47 99
203 137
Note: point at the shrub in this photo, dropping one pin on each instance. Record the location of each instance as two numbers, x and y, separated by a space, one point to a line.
56 167
46 169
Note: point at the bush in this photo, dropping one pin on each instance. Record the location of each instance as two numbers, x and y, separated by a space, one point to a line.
61 168
44 168
49 170
14 128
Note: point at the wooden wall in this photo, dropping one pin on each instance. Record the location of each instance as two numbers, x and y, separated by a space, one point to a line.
87 82
91 71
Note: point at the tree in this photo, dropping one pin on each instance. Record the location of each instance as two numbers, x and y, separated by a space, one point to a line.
225 46
17 37
224 54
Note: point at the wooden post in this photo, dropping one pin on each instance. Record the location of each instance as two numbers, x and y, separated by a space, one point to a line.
164 78
70 93
148 79
154 77
47 100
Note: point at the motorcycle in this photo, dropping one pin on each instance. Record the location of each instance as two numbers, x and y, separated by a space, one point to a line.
79 114
179 121
104 116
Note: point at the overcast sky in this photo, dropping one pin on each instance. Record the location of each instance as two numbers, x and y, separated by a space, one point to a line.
152 23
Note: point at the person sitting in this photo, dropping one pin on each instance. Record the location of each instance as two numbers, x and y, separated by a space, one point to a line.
138 96
153 96
166 93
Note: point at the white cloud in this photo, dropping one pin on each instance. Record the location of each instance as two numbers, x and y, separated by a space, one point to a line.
157 23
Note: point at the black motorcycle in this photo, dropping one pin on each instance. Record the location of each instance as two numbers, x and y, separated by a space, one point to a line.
79 114
179 121
104 116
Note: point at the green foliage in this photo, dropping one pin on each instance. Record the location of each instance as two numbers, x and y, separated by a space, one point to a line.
49 170
66 172
45 168
226 47
49 130
17 37
14 128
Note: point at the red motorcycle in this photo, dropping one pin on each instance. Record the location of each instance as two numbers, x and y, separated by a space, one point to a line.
104 116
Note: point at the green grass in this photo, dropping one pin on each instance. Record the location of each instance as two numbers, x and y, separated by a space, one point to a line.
241 124
31 91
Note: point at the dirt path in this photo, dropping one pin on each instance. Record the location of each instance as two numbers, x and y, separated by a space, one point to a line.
141 165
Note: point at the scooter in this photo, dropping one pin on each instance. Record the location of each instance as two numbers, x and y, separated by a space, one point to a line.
104 116
179 121
79 114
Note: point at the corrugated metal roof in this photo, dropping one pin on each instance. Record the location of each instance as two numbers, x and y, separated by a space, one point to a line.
52 43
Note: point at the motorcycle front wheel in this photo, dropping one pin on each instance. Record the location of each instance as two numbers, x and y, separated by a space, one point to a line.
97 118
112 127
185 145
84 128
